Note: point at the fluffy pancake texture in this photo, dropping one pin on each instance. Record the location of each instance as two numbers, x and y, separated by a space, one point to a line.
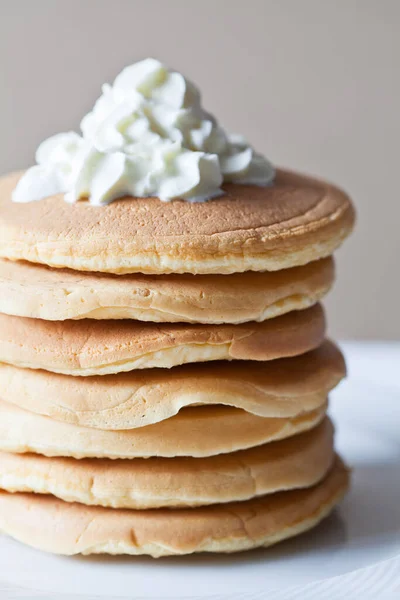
199 431
282 388
296 462
92 347
56 526
295 221
33 290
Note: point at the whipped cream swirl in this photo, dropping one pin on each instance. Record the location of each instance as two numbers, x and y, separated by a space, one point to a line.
147 135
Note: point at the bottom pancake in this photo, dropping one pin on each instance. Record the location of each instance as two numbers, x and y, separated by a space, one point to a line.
297 462
70 528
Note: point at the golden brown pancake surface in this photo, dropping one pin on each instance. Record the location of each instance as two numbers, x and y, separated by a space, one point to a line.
281 388
56 526
38 291
295 221
299 461
93 347
196 431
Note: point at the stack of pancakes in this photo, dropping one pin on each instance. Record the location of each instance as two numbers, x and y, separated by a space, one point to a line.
164 371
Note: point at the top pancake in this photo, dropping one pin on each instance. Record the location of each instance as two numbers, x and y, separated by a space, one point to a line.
293 222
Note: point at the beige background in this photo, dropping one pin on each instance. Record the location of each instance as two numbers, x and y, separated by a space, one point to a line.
314 84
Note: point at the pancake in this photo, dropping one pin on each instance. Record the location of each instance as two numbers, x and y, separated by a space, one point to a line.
295 221
29 290
300 461
93 347
56 526
281 388
198 431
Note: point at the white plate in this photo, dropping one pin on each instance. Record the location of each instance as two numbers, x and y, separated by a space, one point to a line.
354 550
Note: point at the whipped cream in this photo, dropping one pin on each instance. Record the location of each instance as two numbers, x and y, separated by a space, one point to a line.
147 135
